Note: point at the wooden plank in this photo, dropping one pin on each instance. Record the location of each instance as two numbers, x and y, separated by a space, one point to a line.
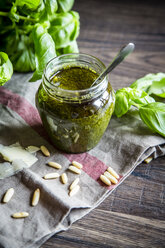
109 229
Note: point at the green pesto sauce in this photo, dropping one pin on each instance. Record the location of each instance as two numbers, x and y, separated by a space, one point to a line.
75 127
74 78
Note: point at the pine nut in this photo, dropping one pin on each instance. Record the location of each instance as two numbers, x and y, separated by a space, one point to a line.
20 215
105 180
74 190
64 178
45 151
110 177
8 195
36 197
74 169
51 176
74 183
148 160
76 137
112 172
54 165
77 164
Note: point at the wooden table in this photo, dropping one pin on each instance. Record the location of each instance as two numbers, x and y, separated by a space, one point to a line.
134 214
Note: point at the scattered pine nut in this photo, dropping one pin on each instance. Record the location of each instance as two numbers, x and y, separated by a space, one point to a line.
36 197
54 165
20 215
105 180
51 176
74 190
148 160
8 195
45 151
64 178
76 137
77 164
74 183
74 169
112 172
110 177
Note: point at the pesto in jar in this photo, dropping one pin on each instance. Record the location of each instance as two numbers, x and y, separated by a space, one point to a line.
74 115
74 78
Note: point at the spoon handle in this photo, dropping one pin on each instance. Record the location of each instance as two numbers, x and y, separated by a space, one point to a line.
124 51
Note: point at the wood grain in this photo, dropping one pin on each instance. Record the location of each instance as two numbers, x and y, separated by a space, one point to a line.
134 214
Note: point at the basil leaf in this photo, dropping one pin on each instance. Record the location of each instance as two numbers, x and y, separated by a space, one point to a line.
71 48
121 104
30 4
35 13
158 88
126 97
44 50
6 68
21 52
51 6
65 5
153 115
138 102
139 98
146 83
64 28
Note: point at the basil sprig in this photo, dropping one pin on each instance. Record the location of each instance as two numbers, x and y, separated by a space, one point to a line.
138 94
29 28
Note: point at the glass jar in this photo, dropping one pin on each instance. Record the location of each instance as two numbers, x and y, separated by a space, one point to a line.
75 120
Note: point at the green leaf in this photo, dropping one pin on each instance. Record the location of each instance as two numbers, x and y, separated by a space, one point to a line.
138 102
20 49
71 48
126 97
44 50
146 82
30 4
6 68
37 13
65 5
51 6
153 115
121 104
44 11
158 88
64 28
139 98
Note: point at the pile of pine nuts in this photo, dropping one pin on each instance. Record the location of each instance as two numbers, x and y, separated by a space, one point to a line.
73 188
110 176
75 168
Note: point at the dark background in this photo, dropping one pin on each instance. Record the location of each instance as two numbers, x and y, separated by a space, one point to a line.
108 25
134 214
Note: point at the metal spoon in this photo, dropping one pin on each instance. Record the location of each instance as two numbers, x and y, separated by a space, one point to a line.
124 51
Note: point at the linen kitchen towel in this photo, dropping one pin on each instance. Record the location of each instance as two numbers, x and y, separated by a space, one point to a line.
125 144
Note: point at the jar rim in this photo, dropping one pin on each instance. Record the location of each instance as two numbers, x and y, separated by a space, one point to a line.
75 94
73 54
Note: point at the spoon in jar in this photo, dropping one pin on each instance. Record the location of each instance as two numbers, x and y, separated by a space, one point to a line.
124 51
